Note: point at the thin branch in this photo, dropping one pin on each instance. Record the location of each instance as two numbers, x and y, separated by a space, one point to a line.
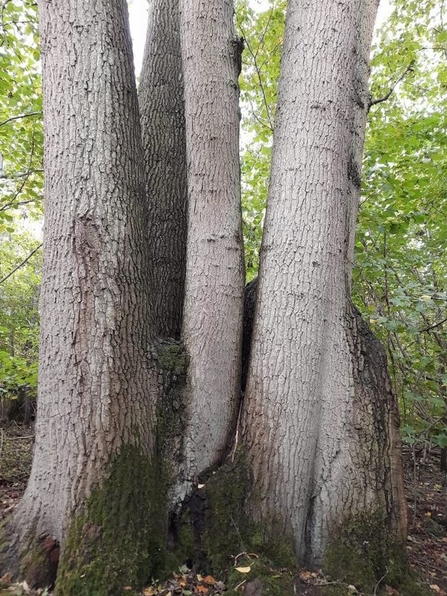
21 264
261 82
19 117
264 33
13 203
19 204
386 97
379 582
23 174
16 194
432 326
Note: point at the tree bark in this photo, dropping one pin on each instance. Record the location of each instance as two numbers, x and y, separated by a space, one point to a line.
316 451
96 403
164 144
214 273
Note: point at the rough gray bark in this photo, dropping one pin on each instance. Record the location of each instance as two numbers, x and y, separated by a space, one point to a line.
307 442
164 144
214 275
95 379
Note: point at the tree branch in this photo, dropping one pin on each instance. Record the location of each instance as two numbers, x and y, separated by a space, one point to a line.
18 117
21 264
261 82
386 97
432 326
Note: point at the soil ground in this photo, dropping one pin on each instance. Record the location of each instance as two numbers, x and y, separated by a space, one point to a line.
427 507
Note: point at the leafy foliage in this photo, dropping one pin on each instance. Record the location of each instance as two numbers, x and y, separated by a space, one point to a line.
19 320
263 35
21 182
21 136
400 275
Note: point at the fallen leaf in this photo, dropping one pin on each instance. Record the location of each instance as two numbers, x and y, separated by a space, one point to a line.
202 589
150 591
391 591
435 588
6 579
209 579
243 569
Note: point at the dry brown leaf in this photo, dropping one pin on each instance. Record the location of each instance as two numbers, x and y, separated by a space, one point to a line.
209 579
6 579
243 569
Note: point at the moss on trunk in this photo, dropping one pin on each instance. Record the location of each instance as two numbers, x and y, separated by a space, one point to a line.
368 555
112 543
214 527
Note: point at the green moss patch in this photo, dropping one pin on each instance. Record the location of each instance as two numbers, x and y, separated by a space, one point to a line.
262 578
367 556
112 544
171 356
214 529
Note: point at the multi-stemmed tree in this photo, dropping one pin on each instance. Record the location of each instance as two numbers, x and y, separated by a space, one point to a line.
143 263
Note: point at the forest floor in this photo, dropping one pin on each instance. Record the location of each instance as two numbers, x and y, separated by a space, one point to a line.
427 517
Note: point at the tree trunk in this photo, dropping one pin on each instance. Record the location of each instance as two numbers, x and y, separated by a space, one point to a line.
90 480
317 453
214 275
164 144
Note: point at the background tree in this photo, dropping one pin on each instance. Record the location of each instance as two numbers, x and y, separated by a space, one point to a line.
21 180
164 143
400 273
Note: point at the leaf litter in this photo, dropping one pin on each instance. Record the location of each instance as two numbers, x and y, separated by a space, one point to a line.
426 547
